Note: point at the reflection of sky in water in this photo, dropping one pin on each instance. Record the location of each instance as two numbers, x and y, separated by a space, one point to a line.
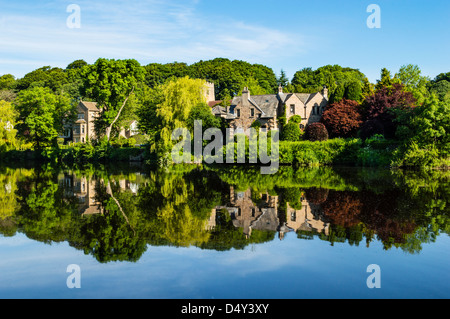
291 268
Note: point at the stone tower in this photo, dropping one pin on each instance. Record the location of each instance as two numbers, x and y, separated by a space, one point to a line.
210 94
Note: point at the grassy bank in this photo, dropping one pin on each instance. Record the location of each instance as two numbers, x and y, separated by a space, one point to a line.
374 152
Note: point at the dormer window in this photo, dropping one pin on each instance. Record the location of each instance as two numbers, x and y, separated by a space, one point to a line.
252 112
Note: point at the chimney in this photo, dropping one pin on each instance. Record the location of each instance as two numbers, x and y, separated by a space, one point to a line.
280 89
245 97
325 92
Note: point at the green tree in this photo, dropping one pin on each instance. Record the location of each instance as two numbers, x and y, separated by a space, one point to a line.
7 81
428 141
414 82
42 114
168 107
111 83
202 112
77 64
335 77
282 80
7 123
386 80
353 91
440 85
46 76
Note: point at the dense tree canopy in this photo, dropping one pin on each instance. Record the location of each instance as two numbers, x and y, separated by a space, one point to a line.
410 76
343 118
41 115
7 126
341 82
440 85
380 108
111 83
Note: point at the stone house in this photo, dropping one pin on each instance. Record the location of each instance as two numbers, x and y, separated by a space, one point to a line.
83 128
267 109
309 218
260 211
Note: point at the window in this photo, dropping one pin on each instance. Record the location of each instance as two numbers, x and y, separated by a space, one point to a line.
239 212
293 216
81 116
292 109
252 112
238 113
82 129
253 212
305 112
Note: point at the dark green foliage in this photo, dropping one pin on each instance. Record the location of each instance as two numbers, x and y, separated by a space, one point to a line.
335 77
353 91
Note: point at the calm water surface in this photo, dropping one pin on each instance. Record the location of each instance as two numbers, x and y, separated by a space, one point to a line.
198 232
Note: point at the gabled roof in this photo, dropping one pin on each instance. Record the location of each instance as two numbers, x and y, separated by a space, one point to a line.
91 106
219 110
268 104
304 97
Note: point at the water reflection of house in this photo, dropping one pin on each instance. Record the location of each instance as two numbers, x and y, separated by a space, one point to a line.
247 215
83 189
86 194
251 211
308 218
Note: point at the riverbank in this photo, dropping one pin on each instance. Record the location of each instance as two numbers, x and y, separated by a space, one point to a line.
348 152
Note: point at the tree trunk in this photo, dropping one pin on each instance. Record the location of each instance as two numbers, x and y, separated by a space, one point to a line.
110 193
109 128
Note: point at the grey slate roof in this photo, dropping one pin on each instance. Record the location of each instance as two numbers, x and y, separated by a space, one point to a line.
268 104
304 97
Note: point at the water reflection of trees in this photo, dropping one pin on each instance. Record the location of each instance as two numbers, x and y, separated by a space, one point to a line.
118 215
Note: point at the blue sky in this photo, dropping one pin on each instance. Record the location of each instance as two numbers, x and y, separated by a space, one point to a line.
288 35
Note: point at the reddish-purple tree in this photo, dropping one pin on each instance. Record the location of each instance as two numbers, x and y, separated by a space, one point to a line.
316 132
343 118
378 108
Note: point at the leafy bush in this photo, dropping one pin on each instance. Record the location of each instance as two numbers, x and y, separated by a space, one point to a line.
295 119
291 132
307 153
316 132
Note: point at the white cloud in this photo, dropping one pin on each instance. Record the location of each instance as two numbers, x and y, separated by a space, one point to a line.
154 31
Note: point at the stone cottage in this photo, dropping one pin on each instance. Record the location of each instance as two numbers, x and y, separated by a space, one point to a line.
267 109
